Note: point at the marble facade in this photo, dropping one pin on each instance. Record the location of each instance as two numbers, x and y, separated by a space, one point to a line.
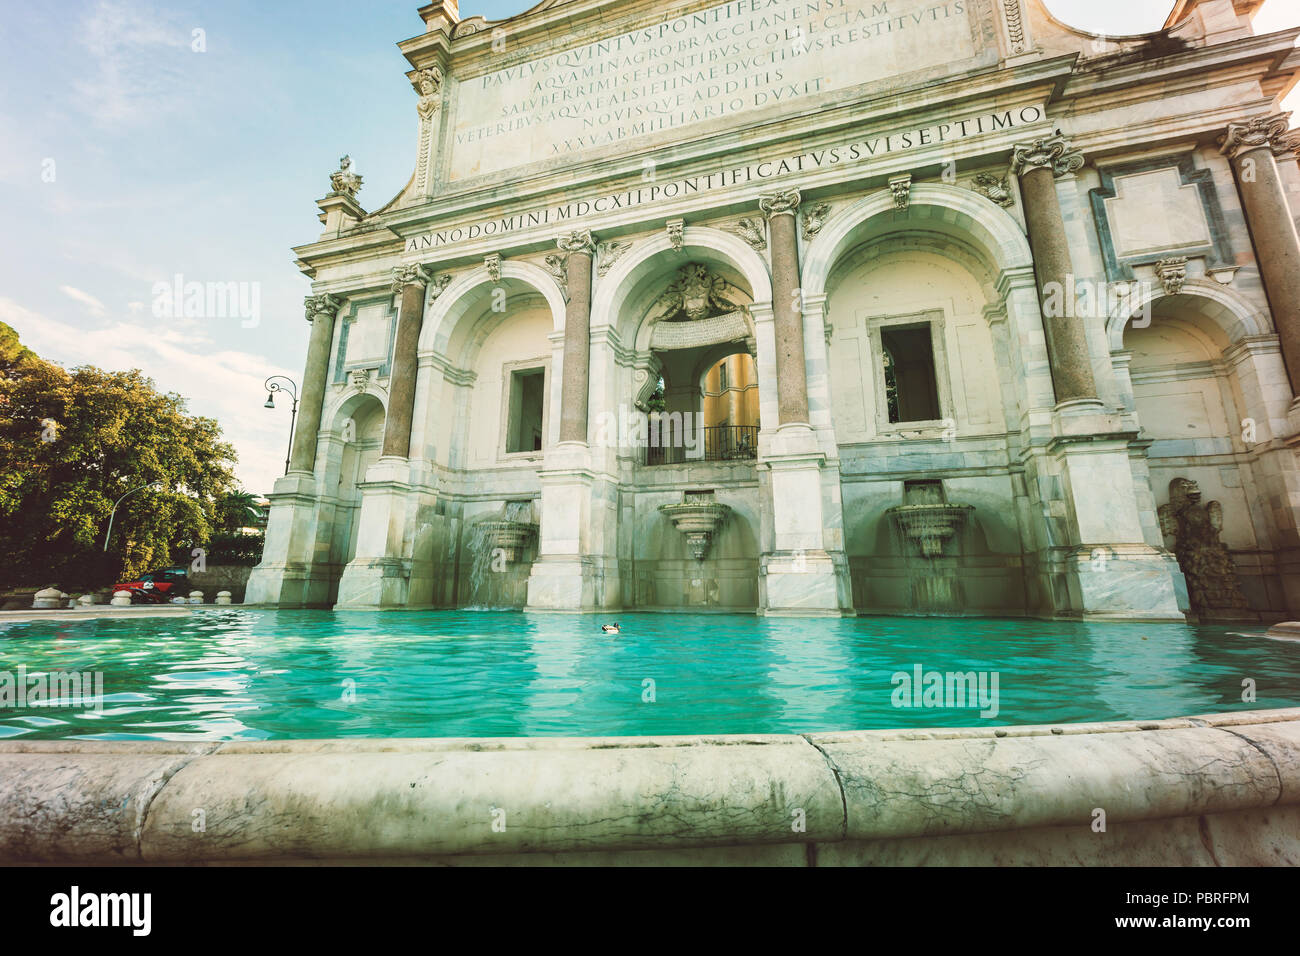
972 251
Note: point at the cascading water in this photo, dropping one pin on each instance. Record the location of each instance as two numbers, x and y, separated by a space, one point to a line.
499 558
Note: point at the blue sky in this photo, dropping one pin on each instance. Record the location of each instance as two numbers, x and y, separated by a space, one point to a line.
129 158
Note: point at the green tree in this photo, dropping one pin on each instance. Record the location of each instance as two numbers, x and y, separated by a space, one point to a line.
72 443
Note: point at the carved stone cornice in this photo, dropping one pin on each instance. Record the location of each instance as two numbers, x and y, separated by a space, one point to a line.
1051 152
1261 131
580 240
781 203
323 304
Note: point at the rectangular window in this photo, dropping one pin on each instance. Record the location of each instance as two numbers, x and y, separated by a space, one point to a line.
911 387
722 377
527 400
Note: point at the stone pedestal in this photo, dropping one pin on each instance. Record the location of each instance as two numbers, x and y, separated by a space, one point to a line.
799 576
380 574
1106 570
288 575
567 575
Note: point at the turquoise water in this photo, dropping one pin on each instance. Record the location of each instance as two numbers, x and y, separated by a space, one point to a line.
233 674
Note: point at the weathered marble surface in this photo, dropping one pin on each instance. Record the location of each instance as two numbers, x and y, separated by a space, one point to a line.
1218 789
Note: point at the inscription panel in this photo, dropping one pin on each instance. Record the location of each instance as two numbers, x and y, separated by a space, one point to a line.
727 64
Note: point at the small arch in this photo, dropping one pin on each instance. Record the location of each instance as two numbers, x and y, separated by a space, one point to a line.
467 290
1234 315
933 207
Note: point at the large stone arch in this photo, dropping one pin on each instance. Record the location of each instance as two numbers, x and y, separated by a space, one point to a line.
959 213
1237 317
701 243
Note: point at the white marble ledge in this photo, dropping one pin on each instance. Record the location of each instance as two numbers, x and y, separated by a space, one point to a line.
562 800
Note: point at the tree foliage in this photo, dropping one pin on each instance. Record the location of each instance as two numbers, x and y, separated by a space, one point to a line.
71 444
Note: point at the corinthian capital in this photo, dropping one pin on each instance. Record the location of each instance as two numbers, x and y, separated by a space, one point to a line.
1269 131
580 240
323 304
779 203
413 274
1052 152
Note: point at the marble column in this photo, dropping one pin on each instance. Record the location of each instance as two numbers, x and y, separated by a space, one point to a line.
321 311
1250 147
787 316
1038 164
410 281
581 247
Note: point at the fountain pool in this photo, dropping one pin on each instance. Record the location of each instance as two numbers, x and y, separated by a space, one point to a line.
235 674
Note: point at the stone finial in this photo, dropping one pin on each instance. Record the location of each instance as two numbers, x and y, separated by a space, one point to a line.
1051 152
994 188
1270 131
428 84
1172 273
814 217
901 187
343 181
677 233
323 304
751 230
779 203
580 240
608 253
411 274
493 265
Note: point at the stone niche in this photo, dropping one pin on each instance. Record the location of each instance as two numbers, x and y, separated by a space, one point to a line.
695 552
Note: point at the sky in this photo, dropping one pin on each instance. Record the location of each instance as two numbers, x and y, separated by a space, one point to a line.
135 150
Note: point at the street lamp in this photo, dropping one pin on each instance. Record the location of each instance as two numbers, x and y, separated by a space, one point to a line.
273 386
153 484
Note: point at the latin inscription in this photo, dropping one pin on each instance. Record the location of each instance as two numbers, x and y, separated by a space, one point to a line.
712 66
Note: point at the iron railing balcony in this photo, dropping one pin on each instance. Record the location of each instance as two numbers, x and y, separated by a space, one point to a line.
721 443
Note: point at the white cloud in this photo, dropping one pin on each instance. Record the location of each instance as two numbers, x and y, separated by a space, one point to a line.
93 305
132 70
222 384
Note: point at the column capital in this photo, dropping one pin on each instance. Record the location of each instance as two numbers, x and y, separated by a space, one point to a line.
411 274
1260 131
1053 152
782 202
580 240
323 304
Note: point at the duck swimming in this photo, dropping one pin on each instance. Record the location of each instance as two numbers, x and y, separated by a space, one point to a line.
610 628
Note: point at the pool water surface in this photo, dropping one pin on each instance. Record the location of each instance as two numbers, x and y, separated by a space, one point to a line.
236 674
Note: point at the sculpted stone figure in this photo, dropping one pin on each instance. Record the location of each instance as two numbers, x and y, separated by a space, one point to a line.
1192 530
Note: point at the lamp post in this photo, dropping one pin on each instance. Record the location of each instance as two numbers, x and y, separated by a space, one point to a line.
112 514
273 386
